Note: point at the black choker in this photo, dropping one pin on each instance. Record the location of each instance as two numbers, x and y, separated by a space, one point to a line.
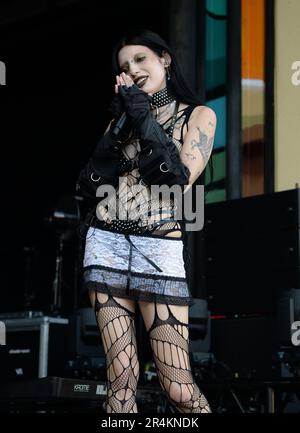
162 97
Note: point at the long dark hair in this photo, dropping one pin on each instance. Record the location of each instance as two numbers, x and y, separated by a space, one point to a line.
176 84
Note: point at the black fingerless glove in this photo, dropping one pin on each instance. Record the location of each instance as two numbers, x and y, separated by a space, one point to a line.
136 104
159 160
102 168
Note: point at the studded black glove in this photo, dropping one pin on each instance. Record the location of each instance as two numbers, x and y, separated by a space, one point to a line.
136 104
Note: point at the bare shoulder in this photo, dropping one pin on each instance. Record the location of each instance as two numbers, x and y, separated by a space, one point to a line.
201 114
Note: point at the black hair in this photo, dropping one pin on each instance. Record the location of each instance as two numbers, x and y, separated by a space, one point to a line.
176 84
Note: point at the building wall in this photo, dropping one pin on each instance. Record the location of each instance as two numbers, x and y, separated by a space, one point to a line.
287 94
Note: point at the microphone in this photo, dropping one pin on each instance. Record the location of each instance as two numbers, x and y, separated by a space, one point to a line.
119 125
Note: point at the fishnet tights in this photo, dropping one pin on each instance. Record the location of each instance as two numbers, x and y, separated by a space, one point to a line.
117 329
169 342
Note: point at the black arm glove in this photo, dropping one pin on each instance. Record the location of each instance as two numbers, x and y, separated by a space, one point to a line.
102 168
159 160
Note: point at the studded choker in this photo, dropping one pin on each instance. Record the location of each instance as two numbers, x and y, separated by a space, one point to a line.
162 97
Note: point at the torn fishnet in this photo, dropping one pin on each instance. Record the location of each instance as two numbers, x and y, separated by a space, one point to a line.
170 349
117 329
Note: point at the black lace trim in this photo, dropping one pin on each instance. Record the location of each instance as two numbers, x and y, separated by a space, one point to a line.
136 295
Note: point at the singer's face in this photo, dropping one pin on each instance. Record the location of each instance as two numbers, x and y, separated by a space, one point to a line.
144 66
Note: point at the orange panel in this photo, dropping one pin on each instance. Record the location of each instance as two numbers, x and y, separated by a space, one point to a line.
253 38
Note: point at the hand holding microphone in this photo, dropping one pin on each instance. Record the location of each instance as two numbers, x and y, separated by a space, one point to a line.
117 109
136 102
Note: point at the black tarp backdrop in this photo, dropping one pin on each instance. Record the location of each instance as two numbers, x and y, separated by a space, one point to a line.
53 111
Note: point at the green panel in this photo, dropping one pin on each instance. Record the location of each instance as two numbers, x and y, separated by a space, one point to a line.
215 38
219 166
215 196
215 67
215 84
217 7
219 171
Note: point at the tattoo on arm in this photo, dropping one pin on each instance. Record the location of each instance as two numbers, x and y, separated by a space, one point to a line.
204 145
190 156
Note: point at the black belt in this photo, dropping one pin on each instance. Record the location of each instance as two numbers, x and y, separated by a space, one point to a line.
122 226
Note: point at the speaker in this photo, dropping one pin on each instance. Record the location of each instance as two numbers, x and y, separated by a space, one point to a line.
253 252
35 348
83 335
